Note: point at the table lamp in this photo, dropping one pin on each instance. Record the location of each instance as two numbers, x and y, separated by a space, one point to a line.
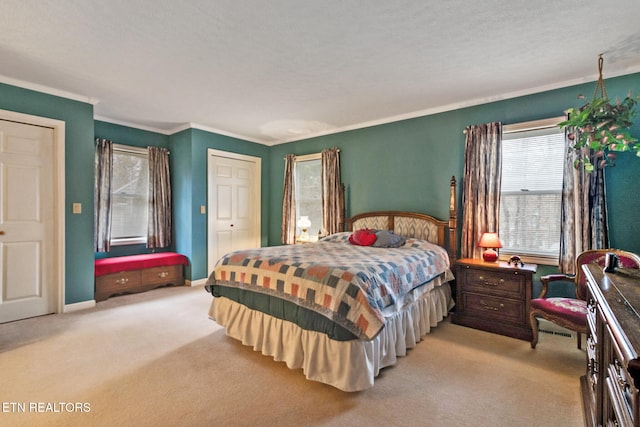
490 242
304 225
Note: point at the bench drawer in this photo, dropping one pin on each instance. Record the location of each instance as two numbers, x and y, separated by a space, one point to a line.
115 283
170 274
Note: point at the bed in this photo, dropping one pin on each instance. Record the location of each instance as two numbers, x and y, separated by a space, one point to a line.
340 311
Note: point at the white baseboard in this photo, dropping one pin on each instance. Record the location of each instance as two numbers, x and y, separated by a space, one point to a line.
199 282
68 308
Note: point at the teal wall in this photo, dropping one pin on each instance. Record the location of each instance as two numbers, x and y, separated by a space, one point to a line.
405 165
79 131
189 153
182 193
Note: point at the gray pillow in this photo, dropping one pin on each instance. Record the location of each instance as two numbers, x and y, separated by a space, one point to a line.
387 239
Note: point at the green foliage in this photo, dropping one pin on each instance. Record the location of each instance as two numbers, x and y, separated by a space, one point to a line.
604 128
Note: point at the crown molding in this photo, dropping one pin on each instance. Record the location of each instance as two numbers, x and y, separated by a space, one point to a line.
361 125
131 125
218 132
461 105
48 90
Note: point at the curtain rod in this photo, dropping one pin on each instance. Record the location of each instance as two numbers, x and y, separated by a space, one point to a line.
311 154
134 149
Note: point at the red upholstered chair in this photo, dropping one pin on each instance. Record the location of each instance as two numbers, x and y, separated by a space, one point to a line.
571 313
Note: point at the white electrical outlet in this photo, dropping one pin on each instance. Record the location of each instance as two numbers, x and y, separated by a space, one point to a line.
203 209
77 208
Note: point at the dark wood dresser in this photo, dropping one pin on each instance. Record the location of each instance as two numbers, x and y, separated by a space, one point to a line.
494 297
610 384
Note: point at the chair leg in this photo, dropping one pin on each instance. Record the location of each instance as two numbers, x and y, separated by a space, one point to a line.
534 328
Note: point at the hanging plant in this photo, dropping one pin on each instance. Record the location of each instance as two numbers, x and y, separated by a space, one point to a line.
602 127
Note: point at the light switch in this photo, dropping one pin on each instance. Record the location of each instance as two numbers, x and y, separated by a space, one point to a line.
203 209
77 208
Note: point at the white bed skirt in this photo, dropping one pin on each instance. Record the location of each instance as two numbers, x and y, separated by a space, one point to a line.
346 365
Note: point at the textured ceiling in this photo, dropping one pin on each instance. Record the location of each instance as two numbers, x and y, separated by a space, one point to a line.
282 70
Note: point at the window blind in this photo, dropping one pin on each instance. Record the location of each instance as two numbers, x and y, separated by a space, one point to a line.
531 189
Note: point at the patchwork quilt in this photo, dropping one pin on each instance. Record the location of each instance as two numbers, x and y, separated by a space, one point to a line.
349 284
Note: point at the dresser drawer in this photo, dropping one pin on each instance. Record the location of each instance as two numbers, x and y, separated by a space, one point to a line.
591 317
620 386
509 284
619 411
496 308
117 282
166 274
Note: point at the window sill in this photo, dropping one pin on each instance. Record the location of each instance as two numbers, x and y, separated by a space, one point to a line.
529 258
130 241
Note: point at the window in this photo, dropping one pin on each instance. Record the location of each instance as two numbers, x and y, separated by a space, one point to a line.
530 197
308 187
129 195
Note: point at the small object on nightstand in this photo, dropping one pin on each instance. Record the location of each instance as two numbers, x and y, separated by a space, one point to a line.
515 260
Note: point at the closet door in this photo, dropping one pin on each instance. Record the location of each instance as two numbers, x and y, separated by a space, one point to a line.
27 281
233 205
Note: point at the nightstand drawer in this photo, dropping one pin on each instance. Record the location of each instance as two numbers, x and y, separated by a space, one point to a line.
498 309
505 284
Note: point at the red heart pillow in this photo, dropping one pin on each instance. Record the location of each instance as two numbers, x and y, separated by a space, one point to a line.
364 237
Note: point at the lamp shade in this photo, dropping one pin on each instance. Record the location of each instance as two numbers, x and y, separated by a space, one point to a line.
304 222
490 241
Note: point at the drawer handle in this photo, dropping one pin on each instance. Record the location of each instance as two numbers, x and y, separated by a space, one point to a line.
488 283
163 274
622 383
491 307
122 281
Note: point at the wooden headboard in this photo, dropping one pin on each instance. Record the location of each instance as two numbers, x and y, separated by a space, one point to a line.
414 224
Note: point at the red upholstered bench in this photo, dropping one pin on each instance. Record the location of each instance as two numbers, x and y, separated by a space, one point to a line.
138 273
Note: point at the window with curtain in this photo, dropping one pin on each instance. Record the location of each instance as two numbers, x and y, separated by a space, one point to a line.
312 189
129 195
533 155
308 191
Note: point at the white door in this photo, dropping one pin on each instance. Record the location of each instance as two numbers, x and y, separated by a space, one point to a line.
234 205
27 281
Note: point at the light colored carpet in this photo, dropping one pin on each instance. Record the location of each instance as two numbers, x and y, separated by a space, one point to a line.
155 359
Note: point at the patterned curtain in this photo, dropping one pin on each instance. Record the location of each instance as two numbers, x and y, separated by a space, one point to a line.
288 230
332 201
583 210
159 221
481 188
103 170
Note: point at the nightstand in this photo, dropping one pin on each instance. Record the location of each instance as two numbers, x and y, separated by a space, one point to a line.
494 297
300 241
